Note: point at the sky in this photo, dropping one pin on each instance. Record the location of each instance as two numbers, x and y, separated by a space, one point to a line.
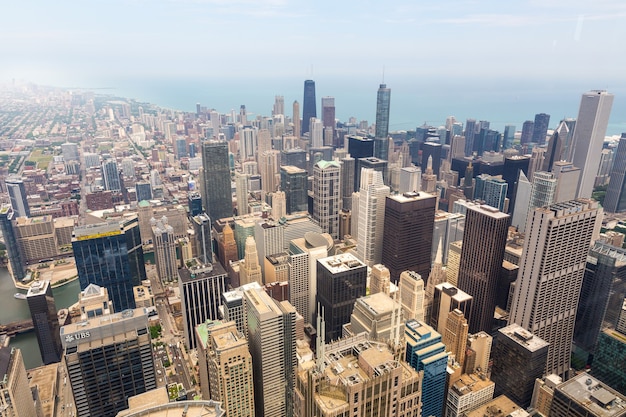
447 44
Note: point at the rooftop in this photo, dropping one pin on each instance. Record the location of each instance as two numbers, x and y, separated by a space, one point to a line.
600 399
340 263
523 337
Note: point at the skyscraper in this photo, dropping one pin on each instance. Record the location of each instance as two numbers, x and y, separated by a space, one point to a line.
164 250
412 293
296 119
217 188
108 359
341 279
16 262
274 359
16 398
328 115
294 182
372 197
408 233
45 321
201 290
551 274
326 196
309 105
446 299
17 195
591 124
110 255
615 200
383 101
470 133
527 132
111 176
359 147
484 239
540 128
250 269
225 367
455 335
584 395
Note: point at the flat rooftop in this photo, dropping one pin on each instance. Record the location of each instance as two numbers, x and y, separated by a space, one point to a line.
523 337
340 263
600 399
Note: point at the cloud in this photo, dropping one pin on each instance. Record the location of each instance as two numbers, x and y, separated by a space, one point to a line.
515 20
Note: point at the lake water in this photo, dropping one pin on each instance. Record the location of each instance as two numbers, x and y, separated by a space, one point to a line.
14 310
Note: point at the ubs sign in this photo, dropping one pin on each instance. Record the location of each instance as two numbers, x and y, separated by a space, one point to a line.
77 336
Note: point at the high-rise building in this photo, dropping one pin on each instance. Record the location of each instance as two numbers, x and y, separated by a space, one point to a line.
217 187
269 166
316 133
527 132
164 250
108 359
372 197
484 240
615 200
446 299
540 128
584 395
426 352
359 147
16 398
543 189
410 180
201 288
202 240
509 136
274 359
341 279
225 367
143 190
296 119
241 192
552 268
326 196
408 233
412 293
383 101
294 182
248 143
588 137
434 150
479 345
294 157
328 116
111 176
111 255
250 269
555 147
519 358
17 264
45 321
347 181
69 151
17 195
567 176
309 105
455 335
379 280
469 392
377 315
194 200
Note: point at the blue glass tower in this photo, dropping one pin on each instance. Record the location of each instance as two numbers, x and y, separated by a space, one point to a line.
383 101
13 253
309 108
426 352
110 255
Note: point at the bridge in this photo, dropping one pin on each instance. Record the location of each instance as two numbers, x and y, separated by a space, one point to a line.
16 327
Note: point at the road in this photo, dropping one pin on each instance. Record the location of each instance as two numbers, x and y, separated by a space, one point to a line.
65 404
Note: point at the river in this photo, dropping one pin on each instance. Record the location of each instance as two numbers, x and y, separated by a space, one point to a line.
13 309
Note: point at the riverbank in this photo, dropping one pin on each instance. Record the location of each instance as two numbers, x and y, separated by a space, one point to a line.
59 273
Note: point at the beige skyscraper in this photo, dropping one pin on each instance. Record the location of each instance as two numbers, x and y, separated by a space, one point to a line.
225 367
377 315
16 399
164 250
371 216
551 273
454 258
241 191
437 276
279 205
412 295
269 167
327 196
296 119
455 335
250 270
480 344
379 279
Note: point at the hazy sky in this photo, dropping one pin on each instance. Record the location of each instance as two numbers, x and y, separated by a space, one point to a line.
68 42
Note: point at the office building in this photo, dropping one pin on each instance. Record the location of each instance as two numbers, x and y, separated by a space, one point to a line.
274 359
543 190
379 280
328 119
269 166
383 101
543 393
217 187
584 395
609 354
376 164
347 181
309 106
470 391
194 200
469 133
294 182
202 238
296 131
242 193
17 195
111 176
372 197
598 305
16 398
498 407
588 137
17 265
110 255
431 150
250 268
410 180
615 200
45 322
482 253
108 359
359 147
519 358
233 308
540 128
356 376
411 287
479 346
446 299
492 190
69 151
426 352
164 250
377 315
455 336
408 233
326 196
341 279
225 367
201 288
527 132
552 268
143 190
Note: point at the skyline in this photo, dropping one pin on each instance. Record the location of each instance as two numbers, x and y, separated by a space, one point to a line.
456 58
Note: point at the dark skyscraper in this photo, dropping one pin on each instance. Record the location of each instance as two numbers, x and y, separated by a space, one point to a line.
615 200
383 100
217 185
309 105
540 129
470 132
110 255
17 194
13 251
431 149
359 147
408 233
45 321
195 203
294 182
527 132
484 239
